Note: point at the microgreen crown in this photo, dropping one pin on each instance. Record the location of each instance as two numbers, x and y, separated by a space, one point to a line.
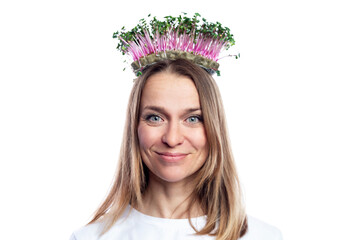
193 35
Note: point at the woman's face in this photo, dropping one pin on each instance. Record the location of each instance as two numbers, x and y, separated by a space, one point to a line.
171 132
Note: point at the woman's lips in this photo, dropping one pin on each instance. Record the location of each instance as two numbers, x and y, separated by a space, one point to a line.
171 157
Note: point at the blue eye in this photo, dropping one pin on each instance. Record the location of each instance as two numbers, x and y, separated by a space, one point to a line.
194 119
153 118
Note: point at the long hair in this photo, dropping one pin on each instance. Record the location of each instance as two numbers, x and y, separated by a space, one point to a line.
217 188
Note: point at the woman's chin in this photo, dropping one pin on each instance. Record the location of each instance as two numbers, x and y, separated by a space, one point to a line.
173 177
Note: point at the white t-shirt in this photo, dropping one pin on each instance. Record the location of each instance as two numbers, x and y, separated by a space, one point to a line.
138 226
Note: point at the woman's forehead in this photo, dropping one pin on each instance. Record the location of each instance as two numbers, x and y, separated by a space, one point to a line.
170 90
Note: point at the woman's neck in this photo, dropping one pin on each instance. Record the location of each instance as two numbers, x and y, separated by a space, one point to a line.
169 200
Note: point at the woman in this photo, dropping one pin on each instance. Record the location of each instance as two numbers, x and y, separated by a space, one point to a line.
176 177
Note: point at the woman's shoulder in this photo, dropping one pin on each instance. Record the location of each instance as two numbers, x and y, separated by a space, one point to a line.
260 230
93 231
257 230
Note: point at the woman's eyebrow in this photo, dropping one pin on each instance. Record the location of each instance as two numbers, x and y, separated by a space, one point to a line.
190 110
155 108
163 110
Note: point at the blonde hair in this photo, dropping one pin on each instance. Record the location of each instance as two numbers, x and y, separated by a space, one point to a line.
217 187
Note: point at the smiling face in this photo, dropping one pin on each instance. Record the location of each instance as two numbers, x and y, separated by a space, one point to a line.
171 132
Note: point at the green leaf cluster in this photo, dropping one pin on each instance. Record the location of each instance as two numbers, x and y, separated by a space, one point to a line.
182 24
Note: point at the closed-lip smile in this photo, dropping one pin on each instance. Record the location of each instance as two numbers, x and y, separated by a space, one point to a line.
171 157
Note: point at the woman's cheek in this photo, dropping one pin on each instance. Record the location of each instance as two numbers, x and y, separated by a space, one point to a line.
148 135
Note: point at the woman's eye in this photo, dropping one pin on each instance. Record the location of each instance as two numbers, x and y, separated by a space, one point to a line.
153 118
194 119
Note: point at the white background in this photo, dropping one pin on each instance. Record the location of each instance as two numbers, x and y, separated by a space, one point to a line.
292 104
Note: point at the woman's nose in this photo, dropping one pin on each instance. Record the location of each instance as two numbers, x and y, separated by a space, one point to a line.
173 135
